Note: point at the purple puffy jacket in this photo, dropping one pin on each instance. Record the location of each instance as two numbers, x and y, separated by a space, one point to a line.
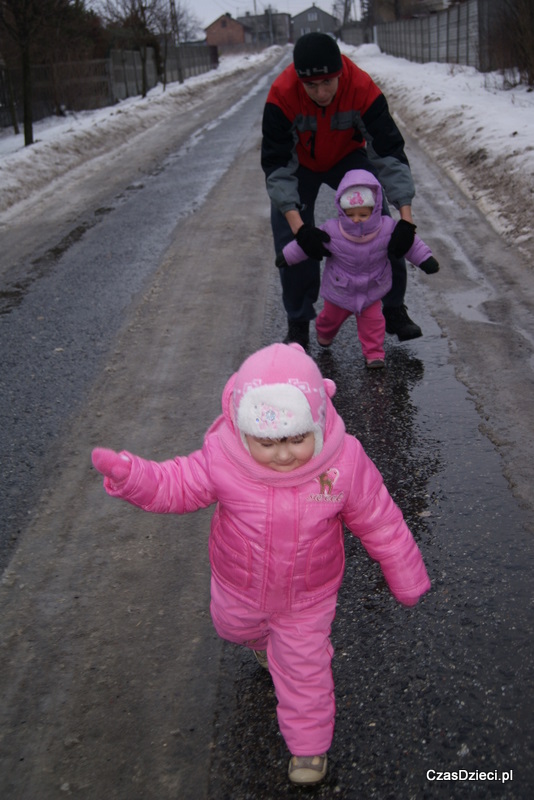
358 273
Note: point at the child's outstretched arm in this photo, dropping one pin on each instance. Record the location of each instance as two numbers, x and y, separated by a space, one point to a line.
291 254
176 486
420 254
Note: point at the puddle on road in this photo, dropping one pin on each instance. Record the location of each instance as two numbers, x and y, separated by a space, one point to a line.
468 304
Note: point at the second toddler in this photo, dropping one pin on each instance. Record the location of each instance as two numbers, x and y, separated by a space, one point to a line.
357 274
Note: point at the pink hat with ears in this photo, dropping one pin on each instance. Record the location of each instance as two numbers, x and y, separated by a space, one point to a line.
279 392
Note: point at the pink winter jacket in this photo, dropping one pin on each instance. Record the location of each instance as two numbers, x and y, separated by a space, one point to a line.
358 273
276 538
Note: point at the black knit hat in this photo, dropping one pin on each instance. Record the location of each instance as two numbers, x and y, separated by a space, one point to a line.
316 57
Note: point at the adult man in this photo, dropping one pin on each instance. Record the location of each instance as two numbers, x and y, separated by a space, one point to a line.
323 117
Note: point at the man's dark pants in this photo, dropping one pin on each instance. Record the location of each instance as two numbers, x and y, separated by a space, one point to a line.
301 282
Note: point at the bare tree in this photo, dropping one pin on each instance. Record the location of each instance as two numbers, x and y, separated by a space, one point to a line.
44 32
512 38
145 20
341 10
175 25
187 25
137 21
23 21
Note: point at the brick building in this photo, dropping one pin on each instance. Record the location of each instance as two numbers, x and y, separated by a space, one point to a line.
227 32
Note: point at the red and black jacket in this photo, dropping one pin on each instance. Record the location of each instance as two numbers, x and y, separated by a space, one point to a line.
297 132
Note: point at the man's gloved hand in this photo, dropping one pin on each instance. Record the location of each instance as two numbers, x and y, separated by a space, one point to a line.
430 266
312 241
112 465
280 261
401 239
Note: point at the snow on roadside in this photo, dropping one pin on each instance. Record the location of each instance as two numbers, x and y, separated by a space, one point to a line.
65 143
478 132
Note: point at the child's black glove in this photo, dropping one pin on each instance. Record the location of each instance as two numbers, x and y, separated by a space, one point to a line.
280 261
311 240
430 266
401 239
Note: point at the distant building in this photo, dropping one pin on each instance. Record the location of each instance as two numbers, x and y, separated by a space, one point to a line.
268 28
314 20
227 32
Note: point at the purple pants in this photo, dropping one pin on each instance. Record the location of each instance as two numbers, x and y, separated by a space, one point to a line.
370 323
299 654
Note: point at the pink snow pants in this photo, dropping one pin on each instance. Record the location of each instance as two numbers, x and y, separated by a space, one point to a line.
370 323
299 654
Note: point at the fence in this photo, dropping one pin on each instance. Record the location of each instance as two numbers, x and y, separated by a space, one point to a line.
76 86
187 61
460 35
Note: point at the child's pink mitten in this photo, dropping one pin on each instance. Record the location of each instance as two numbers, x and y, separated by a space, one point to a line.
114 466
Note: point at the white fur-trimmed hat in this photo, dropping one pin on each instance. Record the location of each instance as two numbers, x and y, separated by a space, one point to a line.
357 197
279 392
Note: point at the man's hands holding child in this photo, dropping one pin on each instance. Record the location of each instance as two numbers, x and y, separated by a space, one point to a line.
312 240
112 465
402 239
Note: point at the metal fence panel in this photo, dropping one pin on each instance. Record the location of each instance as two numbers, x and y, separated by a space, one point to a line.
75 86
458 35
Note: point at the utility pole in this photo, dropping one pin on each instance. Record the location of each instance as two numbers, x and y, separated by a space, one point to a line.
174 21
176 36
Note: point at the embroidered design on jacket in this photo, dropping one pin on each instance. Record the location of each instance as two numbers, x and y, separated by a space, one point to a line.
327 480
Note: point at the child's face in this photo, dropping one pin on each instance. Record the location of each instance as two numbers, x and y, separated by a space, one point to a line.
358 213
282 455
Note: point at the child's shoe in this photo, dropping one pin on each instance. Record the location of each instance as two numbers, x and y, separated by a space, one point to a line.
375 363
324 342
307 769
261 658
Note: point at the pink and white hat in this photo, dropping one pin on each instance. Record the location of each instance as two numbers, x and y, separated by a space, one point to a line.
357 197
280 392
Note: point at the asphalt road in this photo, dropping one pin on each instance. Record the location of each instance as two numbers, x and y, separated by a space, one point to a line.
113 682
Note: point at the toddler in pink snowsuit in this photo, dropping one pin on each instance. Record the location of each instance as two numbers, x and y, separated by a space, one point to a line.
285 476
357 273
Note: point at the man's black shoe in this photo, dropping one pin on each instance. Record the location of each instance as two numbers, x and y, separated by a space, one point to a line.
298 331
398 322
